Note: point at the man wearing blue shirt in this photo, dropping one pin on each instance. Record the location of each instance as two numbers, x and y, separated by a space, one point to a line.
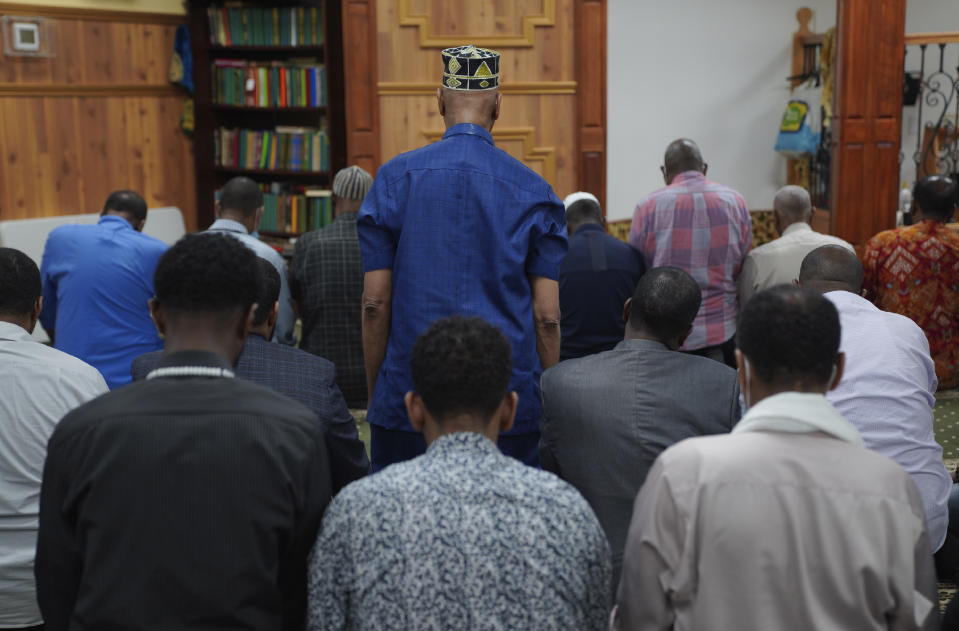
459 228
96 283
596 279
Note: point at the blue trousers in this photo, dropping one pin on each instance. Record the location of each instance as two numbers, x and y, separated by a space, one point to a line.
389 446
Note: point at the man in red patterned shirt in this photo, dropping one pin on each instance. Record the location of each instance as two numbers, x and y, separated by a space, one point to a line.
914 271
702 228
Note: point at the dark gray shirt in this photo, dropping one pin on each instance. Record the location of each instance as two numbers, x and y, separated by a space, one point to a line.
606 417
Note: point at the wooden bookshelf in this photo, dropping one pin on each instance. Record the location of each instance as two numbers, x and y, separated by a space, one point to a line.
210 115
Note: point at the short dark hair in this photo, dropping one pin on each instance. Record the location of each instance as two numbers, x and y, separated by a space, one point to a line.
461 365
241 195
206 272
665 302
583 211
936 196
267 290
789 334
127 202
19 283
832 264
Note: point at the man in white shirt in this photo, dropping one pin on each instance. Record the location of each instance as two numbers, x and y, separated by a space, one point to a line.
238 213
889 386
38 386
788 522
778 261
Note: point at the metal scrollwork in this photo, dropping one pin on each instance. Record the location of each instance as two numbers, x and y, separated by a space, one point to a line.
939 90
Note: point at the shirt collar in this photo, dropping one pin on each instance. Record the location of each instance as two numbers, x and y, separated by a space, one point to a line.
13 332
687 176
193 358
115 221
799 226
471 130
461 444
347 216
228 225
590 227
798 413
638 344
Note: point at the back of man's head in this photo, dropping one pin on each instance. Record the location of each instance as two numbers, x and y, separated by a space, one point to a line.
240 197
581 211
682 155
831 268
793 204
462 366
267 291
19 286
664 305
207 274
128 203
789 337
936 196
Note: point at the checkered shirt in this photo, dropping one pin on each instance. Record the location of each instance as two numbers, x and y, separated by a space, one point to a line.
705 229
327 282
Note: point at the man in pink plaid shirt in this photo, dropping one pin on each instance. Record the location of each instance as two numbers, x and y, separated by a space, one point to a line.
701 227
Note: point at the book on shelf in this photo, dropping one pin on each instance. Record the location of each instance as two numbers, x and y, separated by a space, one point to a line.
283 148
263 26
295 83
293 209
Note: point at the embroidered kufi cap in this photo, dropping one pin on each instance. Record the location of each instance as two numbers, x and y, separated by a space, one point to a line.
352 183
470 68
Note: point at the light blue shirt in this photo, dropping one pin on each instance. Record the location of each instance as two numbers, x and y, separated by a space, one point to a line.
97 281
888 392
286 319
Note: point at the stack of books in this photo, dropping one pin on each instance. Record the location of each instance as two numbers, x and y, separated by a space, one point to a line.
273 84
304 149
254 26
295 210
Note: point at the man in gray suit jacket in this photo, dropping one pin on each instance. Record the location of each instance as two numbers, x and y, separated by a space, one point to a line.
606 417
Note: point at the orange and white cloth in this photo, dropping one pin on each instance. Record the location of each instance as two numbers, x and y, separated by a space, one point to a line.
914 271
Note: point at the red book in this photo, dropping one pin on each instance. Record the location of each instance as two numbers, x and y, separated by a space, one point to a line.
282 87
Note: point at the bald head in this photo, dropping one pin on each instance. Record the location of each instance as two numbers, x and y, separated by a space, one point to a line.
831 268
479 107
682 155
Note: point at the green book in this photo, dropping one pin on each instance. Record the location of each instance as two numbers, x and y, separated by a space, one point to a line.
236 26
284 26
275 26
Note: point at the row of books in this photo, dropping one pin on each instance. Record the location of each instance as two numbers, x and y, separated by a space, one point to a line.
275 84
279 26
295 211
281 149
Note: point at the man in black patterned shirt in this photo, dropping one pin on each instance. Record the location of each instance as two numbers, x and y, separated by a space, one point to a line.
326 282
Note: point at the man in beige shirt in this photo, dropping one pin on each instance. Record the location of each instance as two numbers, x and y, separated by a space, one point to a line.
788 522
777 262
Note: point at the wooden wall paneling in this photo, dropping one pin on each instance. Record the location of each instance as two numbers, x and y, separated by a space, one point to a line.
591 97
359 68
99 116
867 118
538 81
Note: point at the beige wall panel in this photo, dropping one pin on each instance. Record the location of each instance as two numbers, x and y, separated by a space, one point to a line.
537 74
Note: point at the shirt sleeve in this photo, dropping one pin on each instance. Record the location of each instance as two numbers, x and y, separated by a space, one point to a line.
637 232
746 283
58 563
548 240
329 575
373 226
348 459
870 269
654 547
48 315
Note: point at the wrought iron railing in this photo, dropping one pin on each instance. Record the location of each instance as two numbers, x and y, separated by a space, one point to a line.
933 89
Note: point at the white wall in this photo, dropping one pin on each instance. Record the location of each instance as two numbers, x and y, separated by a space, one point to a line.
712 71
925 16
